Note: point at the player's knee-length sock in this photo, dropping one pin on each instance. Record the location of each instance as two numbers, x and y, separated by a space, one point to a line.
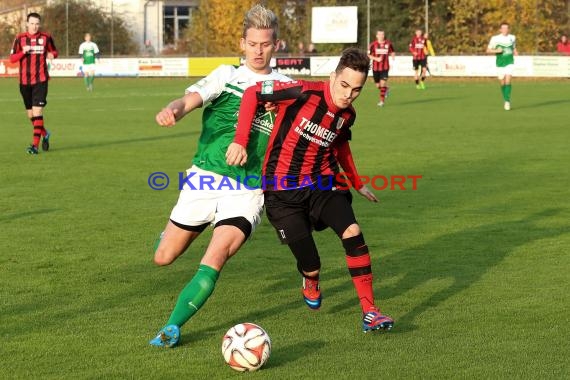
360 268
86 80
194 295
39 130
507 94
383 90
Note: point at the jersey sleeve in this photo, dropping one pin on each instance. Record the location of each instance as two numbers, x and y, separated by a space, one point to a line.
81 48
96 48
210 87
263 92
391 48
371 50
344 157
50 45
492 43
16 53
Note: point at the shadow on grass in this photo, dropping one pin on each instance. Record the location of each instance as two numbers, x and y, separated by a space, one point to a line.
543 104
11 217
282 355
124 142
464 257
418 101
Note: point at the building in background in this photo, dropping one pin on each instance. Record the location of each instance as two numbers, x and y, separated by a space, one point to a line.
161 22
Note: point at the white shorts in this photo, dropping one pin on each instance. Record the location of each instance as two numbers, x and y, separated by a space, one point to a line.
198 204
88 68
504 71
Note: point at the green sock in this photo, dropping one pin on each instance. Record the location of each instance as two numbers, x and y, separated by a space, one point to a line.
86 80
194 295
507 93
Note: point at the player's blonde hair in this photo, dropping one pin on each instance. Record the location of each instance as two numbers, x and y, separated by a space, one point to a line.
259 17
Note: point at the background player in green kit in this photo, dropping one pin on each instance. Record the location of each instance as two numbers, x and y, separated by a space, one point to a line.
503 45
234 213
89 52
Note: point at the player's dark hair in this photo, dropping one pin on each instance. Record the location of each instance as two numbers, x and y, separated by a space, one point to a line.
505 23
355 59
34 15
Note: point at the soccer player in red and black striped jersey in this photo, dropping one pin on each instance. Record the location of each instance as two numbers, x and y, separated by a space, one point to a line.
418 50
379 52
33 49
308 142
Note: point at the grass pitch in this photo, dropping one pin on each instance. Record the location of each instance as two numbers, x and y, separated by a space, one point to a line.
473 265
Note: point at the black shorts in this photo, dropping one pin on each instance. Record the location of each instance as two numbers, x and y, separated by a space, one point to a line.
34 95
296 213
419 62
380 75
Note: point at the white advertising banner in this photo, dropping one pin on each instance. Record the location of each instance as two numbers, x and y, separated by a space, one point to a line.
462 66
163 67
334 25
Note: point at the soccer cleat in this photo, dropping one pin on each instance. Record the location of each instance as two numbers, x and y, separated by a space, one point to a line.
312 293
167 337
45 141
374 320
422 85
418 87
507 106
32 150
380 104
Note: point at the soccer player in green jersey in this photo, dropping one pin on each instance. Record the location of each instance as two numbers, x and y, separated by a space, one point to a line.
89 52
503 45
232 208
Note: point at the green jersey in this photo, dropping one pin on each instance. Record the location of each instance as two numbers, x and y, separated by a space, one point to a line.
88 51
222 90
508 45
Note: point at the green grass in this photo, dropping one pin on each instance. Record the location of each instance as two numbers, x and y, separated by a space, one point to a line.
473 265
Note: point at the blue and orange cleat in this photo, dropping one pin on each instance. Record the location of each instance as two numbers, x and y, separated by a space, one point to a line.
167 337
374 320
312 293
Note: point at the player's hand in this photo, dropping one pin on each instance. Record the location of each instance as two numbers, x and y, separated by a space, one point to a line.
50 56
166 117
366 193
236 155
270 106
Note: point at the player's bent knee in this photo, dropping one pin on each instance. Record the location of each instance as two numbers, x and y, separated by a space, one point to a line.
351 231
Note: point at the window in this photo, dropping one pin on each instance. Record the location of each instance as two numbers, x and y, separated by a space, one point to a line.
176 19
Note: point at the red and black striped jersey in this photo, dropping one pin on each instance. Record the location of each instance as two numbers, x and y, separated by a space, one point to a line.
418 46
308 130
33 65
381 50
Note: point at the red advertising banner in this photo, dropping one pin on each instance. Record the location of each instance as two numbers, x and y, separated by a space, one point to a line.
8 69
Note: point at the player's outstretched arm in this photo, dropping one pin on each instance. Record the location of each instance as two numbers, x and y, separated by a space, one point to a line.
344 157
177 109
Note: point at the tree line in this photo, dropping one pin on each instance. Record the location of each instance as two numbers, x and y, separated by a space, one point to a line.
82 17
455 26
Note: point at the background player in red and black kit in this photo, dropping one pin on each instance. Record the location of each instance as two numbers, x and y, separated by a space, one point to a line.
417 48
379 52
309 140
33 49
